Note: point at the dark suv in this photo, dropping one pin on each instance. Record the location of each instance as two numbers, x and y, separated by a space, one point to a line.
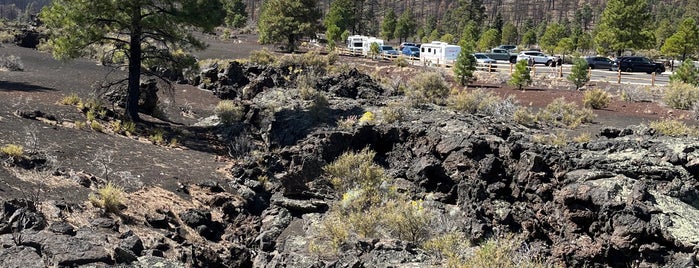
637 64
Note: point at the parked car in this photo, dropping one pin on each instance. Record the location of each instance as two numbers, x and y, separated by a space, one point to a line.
388 51
537 56
406 44
411 51
596 62
509 48
483 58
637 64
502 54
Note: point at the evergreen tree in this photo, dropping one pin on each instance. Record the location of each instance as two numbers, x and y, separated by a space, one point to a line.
509 33
623 26
529 38
578 73
553 34
521 76
136 28
664 30
686 73
340 17
684 42
447 38
285 21
388 27
405 26
374 50
236 16
470 33
465 63
488 40
434 36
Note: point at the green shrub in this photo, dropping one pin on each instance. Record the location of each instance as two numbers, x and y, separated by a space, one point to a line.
524 116
157 136
521 76
673 128
401 61
502 253
367 118
560 112
408 221
451 246
91 115
393 112
428 87
72 99
686 73
109 197
13 150
579 73
262 57
596 99
129 127
355 170
228 111
96 126
481 101
681 95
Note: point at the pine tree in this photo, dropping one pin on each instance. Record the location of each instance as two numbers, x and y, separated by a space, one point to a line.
137 28
578 73
285 21
553 34
388 27
521 76
509 33
624 26
683 42
488 40
236 16
686 73
405 26
465 63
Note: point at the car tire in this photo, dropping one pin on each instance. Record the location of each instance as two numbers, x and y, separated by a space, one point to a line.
658 71
628 69
548 63
513 59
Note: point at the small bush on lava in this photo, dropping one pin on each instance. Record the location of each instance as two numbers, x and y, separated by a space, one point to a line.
228 112
596 99
681 95
109 197
674 128
13 150
429 87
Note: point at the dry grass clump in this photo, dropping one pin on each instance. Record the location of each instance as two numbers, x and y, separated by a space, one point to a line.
157 136
502 252
558 139
109 197
681 95
427 87
13 150
72 99
393 112
596 99
347 123
637 93
674 128
228 111
401 61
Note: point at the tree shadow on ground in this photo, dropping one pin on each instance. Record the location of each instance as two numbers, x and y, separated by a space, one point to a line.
18 86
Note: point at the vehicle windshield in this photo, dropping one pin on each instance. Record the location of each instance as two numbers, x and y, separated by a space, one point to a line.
386 48
414 49
480 56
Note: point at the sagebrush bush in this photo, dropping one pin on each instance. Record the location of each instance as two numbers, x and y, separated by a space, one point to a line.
681 95
524 116
262 57
451 247
11 63
400 61
673 128
393 112
228 111
427 87
481 101
352 170
582 138
13 150
502 253
408 221
596 99
109 197
560 112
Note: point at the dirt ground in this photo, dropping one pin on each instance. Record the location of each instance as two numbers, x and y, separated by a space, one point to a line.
136 161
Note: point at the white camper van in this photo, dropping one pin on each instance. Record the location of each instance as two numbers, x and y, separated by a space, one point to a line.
366 47
439 53
355 43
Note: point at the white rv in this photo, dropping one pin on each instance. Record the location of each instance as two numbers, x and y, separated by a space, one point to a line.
355 43
439 53
366 47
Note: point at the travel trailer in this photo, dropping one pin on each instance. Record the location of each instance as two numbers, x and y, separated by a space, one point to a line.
439 53
366 47
355 43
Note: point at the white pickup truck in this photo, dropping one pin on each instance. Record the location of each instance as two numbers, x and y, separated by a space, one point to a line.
537 56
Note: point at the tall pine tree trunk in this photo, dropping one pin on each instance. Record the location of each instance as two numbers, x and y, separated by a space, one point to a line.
134 66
